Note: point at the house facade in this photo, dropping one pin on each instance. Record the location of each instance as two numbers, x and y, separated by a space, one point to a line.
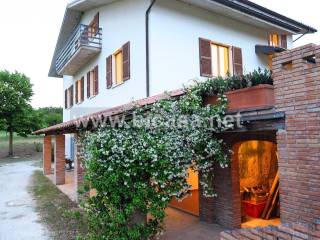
111 52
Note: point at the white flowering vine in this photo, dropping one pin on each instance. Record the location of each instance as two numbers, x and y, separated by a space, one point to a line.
138 167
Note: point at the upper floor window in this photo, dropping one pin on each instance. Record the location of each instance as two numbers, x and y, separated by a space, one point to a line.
118 66
79 87
93 28
93 82
68 97
276 40
219 59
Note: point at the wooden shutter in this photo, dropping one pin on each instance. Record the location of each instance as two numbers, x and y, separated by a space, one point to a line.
126 61
96 80
109 71
77 92
88 84
237 61
71 96
205 58
66 98
284 41
82 89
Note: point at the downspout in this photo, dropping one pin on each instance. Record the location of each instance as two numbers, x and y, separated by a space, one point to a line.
148 49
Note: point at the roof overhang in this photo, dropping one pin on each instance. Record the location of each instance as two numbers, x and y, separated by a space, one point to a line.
253 14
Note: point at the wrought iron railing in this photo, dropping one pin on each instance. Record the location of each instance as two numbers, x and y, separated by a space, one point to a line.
83 36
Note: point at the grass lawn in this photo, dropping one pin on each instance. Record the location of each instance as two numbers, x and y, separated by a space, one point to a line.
26 148
55 209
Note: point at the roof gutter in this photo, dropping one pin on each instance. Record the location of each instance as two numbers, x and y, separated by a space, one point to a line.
148 49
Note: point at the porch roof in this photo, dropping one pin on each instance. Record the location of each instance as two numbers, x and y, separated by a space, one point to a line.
85 122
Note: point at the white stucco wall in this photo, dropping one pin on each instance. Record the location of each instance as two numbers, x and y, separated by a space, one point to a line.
174 42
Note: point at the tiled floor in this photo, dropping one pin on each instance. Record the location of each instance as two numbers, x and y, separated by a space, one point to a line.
180 225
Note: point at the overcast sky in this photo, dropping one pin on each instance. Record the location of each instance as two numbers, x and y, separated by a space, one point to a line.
29 30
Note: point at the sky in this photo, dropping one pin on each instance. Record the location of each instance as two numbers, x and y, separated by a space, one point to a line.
29 31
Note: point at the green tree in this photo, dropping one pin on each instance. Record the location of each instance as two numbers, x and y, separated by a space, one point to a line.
16 113
50 116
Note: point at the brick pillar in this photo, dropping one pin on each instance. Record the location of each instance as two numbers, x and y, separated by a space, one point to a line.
297 93
78 167
225 209
59 160
47 155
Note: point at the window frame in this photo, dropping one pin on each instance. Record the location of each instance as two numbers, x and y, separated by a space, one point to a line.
69 89
114 68
79 92
230 60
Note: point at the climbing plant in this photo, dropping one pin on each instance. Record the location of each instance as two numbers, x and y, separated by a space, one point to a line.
139 165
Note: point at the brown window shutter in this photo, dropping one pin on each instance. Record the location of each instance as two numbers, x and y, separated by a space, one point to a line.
88 84
126 61
77 84
109 71
96 80
71 96
284 41
66 98
237 61
82 89
205 58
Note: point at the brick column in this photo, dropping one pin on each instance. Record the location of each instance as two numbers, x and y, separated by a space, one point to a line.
225 209
59 160
78 166
47 155
297 93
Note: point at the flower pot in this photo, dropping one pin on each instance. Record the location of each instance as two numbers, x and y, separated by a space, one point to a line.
257 97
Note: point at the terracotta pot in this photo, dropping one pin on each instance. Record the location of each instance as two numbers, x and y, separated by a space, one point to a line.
257 97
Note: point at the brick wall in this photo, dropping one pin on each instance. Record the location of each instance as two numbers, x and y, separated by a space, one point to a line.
297 231
297 93
59 170
47 155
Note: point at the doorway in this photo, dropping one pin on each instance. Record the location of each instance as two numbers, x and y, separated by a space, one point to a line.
259 183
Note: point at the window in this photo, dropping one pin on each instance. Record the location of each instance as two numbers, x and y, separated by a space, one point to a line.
274 40
118 66
92 82
79 90
68 97
93 28
220 60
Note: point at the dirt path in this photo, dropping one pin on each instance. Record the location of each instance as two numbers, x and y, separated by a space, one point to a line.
18 217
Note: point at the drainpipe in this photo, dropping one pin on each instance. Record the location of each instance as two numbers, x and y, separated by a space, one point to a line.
148 49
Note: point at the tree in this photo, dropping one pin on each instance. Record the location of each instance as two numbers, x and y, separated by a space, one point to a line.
16 113
50 116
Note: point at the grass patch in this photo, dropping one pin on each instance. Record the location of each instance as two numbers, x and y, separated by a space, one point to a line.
55 209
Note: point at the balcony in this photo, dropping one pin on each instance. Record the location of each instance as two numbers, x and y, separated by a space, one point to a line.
84 44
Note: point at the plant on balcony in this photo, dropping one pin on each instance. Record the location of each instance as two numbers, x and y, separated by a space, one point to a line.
139 165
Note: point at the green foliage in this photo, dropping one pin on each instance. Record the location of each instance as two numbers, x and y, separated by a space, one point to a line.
16 113
139 165
38 146
50 116
249 80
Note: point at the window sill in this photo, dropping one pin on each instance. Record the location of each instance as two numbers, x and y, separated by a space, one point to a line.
117 85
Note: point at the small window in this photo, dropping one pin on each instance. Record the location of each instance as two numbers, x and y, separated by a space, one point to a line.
79 90
220 60
92 82
274 40
69 97
118 59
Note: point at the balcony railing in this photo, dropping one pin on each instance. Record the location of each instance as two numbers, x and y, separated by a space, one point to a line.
83 38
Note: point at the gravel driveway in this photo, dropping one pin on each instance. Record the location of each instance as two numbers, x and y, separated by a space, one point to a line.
18 217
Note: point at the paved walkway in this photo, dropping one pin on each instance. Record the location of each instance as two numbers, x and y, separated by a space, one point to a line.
18 218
